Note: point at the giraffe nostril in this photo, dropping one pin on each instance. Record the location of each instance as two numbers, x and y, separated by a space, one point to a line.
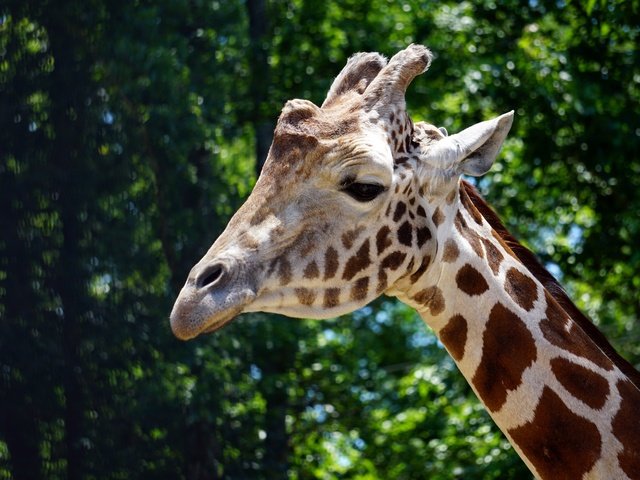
209 276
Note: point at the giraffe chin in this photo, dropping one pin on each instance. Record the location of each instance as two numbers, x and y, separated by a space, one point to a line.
219 323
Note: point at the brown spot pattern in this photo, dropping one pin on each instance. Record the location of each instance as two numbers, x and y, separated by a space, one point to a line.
284 271
350 236
382 239
415 276
560 444
494 256
401 208
311 271
273 265
584 384
509 349
330 263
471 281
574 341
412 261
451 196
248 242
437 218
474 240
521 288
469 234
382 281
422 235
358 262
407 143
393 260
423 296
451 251
278 231
461 223
306 242
470 207
306 296
331 297
259 216
405 234
626 428
420 211
432 298
454 336
360 289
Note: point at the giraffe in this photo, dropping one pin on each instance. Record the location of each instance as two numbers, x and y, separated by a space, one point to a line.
355 200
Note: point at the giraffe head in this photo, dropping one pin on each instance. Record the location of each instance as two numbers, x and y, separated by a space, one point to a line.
344 208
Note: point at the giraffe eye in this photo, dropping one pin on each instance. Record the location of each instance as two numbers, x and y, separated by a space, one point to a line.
363 192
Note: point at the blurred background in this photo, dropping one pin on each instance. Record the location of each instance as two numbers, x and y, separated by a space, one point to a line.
131 130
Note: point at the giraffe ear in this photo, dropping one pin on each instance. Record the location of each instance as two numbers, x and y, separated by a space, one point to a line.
473 150
356 75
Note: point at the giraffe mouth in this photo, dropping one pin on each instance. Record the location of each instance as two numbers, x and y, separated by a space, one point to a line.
219 323
200 310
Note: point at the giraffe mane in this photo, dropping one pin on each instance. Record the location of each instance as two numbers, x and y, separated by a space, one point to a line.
531 262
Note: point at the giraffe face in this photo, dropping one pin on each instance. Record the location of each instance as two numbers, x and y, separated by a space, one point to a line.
344 207
331 224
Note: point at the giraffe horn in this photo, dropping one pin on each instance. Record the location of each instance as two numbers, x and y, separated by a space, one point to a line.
357 74
390 85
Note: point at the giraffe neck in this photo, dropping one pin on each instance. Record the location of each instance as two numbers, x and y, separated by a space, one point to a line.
567 407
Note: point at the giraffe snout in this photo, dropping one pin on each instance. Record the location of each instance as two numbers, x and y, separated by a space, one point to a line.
215 292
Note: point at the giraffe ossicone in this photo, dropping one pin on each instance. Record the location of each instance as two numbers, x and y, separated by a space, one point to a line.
355 200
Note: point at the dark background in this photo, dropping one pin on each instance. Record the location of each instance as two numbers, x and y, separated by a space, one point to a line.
131 130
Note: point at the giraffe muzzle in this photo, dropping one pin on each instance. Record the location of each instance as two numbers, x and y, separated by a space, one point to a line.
214 294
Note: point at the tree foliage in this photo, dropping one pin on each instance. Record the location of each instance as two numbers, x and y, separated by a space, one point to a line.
131 131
